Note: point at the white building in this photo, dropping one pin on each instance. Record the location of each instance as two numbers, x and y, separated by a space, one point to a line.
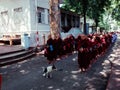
25 16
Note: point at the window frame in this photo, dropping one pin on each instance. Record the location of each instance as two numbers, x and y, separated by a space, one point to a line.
40 15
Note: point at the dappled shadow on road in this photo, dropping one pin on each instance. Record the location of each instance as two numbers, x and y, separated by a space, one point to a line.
67 77
114 79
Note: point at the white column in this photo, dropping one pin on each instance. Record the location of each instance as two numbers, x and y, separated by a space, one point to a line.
36 17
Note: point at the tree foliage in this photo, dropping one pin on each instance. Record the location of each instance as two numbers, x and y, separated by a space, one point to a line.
111 17
97 9
78 6
90 8
116 10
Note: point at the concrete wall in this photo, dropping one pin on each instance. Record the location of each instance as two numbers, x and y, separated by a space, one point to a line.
25 20
42 28
40 3
14 22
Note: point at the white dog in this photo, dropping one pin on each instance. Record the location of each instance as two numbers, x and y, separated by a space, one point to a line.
47 72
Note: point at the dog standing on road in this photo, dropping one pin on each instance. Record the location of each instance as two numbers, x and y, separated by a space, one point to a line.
47 72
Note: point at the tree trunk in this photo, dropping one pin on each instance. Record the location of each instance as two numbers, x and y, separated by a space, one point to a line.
54 18
96 25
96 22
84 14
85 31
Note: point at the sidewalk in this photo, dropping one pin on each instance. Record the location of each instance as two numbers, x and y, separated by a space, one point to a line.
114 80
8 48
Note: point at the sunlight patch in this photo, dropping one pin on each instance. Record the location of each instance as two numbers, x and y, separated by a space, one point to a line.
75 72
106 61
117 73
5 66
103 74
65 79
22 62
74 77
116 62
76 84
50 87
74 59
117 79
18 66
58 89
111 59
24 72
113 55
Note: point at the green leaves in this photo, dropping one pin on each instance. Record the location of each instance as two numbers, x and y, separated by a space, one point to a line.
116 10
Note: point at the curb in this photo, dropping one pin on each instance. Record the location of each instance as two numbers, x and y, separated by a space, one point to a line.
0 81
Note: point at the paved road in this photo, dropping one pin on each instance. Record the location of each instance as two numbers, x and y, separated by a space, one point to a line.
27 75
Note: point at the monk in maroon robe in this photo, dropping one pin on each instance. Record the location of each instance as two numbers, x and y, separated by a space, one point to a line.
81 56
50 50
59 46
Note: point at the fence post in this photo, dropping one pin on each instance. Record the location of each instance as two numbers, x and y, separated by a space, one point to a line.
37 38
43 39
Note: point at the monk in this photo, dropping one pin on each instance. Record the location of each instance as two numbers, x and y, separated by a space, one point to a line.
81 56
59 46
50 50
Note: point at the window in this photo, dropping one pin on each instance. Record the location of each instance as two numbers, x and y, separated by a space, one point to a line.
18 9
18 17
77 21
4 18
63 19
4 13
41 15
68 20
48 16
73 21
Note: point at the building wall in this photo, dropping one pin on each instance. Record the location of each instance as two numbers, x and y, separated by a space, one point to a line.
33 6
69 20
22 21
43 29
17 18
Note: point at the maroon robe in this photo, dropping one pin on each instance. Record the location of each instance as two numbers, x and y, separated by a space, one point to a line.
81 56
50 50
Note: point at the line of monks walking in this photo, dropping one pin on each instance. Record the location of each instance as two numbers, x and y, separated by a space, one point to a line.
89 47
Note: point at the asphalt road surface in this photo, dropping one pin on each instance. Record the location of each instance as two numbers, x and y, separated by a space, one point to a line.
27 75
